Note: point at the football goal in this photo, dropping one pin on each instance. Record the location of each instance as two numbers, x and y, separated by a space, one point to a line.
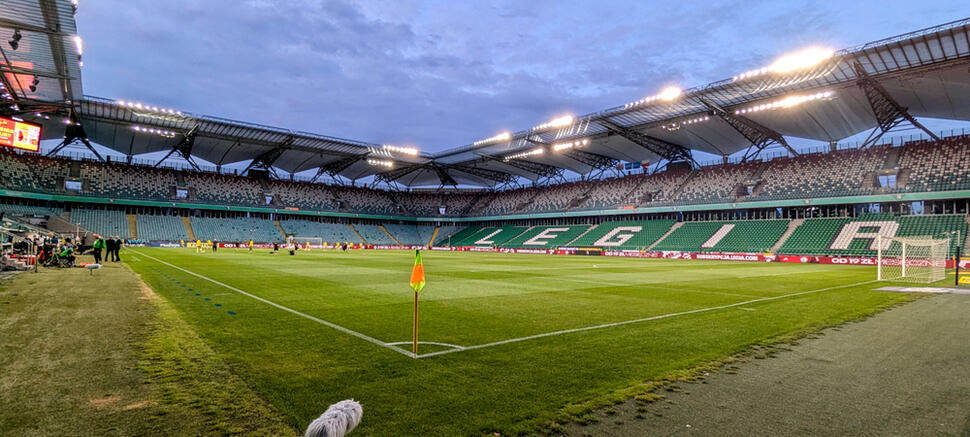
302 241
912 259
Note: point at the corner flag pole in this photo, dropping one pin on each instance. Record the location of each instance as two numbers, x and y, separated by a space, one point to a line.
417 283
414 340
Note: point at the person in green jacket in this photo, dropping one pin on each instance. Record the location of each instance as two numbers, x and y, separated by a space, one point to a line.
97 248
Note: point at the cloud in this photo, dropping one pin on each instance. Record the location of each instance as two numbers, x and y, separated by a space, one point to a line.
444 74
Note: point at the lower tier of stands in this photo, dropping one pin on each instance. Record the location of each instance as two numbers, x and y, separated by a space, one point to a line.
813 236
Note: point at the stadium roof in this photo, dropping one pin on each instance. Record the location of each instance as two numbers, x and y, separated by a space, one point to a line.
818 94
38 41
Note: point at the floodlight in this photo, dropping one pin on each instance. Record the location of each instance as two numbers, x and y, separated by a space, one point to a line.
802 59
563 121
669 93
15 40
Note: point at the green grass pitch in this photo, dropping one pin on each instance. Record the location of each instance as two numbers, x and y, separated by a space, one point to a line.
681 314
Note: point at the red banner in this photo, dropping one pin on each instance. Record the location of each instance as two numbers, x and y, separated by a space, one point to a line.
855 260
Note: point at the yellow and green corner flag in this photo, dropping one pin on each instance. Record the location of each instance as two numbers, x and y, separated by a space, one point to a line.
417 274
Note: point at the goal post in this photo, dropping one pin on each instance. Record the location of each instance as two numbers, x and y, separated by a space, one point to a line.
911 259
303 241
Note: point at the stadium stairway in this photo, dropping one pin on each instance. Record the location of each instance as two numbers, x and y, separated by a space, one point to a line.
784 237
389 235
590 229
188 228
132 226
679 189
667 234
352 228
278 226
434 235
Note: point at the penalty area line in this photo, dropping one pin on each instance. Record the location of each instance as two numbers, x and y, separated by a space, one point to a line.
287 309
645 319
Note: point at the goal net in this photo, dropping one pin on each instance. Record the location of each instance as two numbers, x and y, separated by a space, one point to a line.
302 241
912 259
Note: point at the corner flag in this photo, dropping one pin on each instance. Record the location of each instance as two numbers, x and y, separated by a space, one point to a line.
417 283
417 274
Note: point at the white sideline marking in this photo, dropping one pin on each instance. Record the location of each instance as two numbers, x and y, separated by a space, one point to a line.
289 310
645 319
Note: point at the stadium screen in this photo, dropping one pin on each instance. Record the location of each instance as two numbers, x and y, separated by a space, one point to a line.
19 135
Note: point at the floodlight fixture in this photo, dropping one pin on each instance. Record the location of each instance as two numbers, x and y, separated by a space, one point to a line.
15 40
562 121
502 137
799 60
786 102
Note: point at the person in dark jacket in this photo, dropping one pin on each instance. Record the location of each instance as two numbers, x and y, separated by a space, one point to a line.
117 248
109 247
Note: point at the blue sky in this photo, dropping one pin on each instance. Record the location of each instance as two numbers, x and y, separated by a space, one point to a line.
440 74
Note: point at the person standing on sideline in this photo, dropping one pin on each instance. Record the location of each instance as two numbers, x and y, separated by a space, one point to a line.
109 248
215 246
117 248
250 246
97 248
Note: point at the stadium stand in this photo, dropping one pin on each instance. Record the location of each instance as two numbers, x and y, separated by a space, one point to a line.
126 182
410 234
718 183
327 232
546 237
487 236
302 195
642 234
460 237
937 166
919 166
237 229
216 188
611 193
446 233
839 173
102 221
724 236
18 209
659 187
855 236
373 234
160 228
556 197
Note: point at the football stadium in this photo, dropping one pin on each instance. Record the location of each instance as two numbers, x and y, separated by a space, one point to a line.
778 252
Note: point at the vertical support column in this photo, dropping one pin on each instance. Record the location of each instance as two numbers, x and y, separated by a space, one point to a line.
904 258
879 257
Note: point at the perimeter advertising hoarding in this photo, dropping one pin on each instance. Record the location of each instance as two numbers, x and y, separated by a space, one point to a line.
19 135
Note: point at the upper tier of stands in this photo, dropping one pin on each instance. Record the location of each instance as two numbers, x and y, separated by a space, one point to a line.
919 166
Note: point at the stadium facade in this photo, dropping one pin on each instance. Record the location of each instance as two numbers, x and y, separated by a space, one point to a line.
639 189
